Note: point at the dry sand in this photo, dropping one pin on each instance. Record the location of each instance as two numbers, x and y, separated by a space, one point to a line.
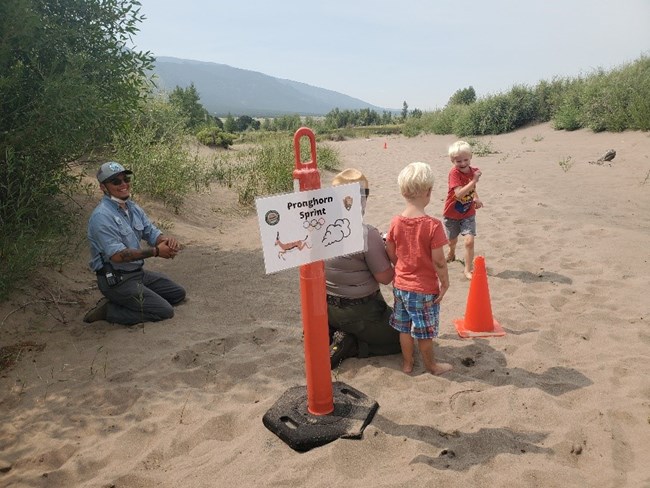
563 400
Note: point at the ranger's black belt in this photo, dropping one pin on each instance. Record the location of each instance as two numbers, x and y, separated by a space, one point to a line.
343 302
130 271
102 271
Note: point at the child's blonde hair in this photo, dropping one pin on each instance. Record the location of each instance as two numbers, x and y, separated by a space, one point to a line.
458 148
415 179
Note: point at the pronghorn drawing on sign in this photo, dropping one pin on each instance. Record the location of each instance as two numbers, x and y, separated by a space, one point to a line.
288 246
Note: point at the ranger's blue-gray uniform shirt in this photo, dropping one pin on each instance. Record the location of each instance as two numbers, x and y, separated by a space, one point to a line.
111 229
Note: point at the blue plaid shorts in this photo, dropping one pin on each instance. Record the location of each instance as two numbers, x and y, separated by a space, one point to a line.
415 314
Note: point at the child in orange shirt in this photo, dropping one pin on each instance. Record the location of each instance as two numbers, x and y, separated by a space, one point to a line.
414 244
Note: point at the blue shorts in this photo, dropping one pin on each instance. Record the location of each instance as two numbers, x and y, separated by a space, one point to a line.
416 314
460 227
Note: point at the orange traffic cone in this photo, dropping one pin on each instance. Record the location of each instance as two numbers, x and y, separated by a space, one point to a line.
478 320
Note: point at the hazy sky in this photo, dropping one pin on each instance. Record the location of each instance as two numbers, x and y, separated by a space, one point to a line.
388 52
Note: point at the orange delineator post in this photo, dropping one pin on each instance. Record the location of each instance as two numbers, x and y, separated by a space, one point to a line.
478 320
320 396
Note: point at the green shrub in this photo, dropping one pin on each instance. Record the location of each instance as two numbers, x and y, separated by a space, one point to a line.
595 102
163 118
549 96
491 115
638 76
440 121
443 122
480 148
498 114
158 153
413 126
567 117
639 108
68 80
464 96
521 107
465 122
612 101
568 114
615 101
35 217
267 168
543 95
215 137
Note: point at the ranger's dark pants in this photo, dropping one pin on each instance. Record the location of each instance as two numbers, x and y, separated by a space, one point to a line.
368 322
142 296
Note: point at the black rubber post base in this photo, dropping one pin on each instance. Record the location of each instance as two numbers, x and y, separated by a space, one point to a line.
302 431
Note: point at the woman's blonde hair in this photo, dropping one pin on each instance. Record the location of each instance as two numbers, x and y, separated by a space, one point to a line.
415 179
350 175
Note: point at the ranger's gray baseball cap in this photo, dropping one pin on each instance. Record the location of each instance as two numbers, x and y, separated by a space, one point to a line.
110 169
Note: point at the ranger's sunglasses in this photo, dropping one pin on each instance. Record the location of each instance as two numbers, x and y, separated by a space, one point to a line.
119 181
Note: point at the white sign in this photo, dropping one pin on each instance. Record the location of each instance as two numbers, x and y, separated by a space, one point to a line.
302 227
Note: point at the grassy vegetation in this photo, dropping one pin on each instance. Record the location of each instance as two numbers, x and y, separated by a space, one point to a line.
481 148
324 134
565 163
155 147
602 101
267 167
33 222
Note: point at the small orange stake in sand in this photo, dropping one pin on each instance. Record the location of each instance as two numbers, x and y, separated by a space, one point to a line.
478 320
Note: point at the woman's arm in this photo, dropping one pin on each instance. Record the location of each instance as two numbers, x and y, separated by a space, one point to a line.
385 277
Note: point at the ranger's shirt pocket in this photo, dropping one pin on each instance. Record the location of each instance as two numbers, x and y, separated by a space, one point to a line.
138 226
133 229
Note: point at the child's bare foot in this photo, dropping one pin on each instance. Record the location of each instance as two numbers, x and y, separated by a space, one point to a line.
407 366
440 368
451 257
468 275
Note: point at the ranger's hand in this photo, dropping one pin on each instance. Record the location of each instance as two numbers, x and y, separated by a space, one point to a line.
166 251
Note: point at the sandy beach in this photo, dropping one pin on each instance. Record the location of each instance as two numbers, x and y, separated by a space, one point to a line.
562 400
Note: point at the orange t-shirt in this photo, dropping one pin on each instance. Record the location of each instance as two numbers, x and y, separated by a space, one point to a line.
414 239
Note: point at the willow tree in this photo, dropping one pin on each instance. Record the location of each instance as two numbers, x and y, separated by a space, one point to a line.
68 80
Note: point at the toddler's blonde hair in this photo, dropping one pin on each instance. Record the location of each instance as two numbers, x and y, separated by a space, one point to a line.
415 179
458 148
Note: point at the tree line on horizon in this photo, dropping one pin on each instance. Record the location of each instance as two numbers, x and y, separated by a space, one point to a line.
614 100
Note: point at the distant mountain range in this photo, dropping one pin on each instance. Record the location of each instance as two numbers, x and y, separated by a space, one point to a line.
226 90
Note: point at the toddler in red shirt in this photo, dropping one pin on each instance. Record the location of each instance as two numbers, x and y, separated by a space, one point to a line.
461 203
